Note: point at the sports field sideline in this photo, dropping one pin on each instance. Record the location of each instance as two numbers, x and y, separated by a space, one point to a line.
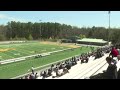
22 67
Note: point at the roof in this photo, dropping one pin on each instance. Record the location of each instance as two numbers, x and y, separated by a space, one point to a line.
92 40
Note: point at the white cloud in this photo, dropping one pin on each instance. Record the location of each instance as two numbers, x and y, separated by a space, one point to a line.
3 16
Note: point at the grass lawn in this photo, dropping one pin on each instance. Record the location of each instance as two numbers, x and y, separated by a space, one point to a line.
18 68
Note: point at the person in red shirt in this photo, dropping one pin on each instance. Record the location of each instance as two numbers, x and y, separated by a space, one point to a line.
114 52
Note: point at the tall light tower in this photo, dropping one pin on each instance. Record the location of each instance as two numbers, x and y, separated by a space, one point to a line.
109 26
40 28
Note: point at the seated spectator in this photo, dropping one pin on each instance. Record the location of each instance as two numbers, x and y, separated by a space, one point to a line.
52 67
82 60
58 73
74 58
97 55
70 63
102 53
86 58
68 66
64 65
77 58
65 70
36 75
73 63
44 75
53 74
31 76
61 66
49 72
26 77
41 73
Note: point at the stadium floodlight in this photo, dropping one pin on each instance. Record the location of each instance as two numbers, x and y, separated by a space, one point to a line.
40 28
109 25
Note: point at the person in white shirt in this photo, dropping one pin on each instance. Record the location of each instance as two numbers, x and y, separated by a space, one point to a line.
118 62
32 69
118 66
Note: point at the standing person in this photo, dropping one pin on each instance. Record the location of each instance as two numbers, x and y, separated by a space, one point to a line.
111 72
32 69
114 52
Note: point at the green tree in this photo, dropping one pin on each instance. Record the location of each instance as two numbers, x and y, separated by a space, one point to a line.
82 36
30 37
2 37
16 38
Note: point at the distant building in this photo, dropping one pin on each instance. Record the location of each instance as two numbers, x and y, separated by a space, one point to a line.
91 41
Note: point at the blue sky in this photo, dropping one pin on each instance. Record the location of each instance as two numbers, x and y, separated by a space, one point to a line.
74 18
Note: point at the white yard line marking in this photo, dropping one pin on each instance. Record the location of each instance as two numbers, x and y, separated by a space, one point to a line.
24 58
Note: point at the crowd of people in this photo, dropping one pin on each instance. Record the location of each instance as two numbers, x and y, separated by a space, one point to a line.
113 71
113 61
63 67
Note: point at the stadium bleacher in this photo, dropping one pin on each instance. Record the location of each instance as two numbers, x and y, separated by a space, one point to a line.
94 67
82 71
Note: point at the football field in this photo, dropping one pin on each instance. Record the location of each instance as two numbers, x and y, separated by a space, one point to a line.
10 51
23 49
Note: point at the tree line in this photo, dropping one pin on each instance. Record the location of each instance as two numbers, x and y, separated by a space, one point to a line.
46 30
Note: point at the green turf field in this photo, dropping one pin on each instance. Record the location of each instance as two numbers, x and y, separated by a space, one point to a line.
18 68
9 51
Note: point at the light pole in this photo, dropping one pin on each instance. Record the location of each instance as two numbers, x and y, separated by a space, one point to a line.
40 28
55 31
109 26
